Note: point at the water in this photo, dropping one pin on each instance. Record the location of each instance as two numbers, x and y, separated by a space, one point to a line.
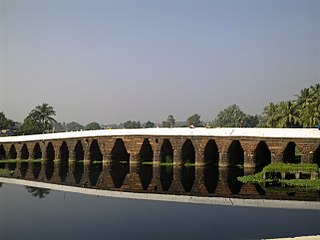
33 213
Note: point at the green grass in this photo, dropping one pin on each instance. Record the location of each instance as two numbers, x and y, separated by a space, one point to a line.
20 160
5 172
286 168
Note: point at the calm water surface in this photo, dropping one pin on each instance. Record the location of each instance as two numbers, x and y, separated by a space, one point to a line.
33 213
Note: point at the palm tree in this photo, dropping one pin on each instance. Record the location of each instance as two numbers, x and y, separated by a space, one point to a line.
287 115
304 98
269 113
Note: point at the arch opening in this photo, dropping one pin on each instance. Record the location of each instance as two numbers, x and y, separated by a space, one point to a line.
235 154
316 156
12 152
211 153
166 152
2 152
95 152
262 154
211 178
64 157
188 153
79 153
24 152
291 154
37 153
119 152
145 175
187 177
50 153
96 158
166 177
146 152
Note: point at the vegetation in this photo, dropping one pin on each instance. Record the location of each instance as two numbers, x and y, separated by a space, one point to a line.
233 116
170 122
39 120
132 124
5 172
38 192
194 120
272 169
92 126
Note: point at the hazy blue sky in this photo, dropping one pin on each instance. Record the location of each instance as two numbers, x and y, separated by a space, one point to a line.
113 61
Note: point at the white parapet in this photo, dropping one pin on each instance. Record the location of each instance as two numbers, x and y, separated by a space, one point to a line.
209 132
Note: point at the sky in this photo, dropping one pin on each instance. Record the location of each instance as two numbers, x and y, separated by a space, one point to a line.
117 60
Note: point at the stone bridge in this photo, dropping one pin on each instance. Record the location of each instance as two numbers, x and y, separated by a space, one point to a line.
251 147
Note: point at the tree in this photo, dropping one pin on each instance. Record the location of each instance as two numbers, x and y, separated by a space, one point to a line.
38 192
132 124
6 123
170 122
93 126
269 113
149 124
74 126
39 120
194 120
287 115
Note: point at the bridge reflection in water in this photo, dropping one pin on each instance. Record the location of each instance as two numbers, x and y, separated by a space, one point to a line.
206 181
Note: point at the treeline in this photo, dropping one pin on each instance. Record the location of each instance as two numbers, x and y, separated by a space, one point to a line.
302 111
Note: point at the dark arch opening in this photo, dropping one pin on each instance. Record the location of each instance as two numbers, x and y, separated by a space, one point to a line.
95 153
232 178
145 175
50 153
96 158
146 153
23 168
211 153
262 154
64 157
36 169
12 152
188 177
79 153
166 152
316 156
118 173
188 153
119 152
235 154
37 153
291 154
24 152
2 152
64 152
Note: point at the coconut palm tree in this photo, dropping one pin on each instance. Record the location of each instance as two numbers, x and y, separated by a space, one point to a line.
269 113
287 115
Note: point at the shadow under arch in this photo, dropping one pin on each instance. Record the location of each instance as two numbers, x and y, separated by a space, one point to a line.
262 154
188 152
12 152
2 152
187 177
96 159
50 154
235 154
291 154
37 153
79 158
146 152
166 152
119 152
145 174
24 152
64 158
211 178
316 156
211 153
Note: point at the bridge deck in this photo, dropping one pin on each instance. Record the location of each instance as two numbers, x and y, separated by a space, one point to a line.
209 132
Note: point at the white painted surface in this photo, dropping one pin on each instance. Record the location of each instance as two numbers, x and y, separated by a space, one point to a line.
210 132
265 203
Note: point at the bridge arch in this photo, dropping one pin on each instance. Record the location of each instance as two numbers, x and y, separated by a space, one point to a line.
262 154
316 156
64 152
119 152
24 152
188 152
50 152
12 152
291 154
146 152
79 152
37 153
211 152
166 151
235 153
95 152
2 152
